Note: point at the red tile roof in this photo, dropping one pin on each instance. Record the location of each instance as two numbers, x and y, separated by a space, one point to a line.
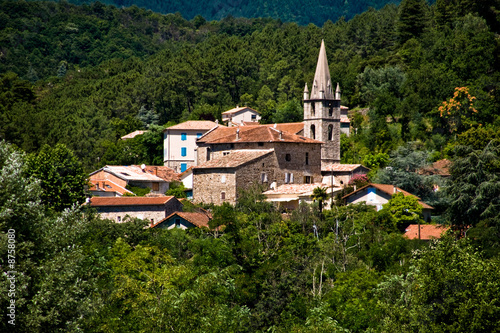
342 167
196 218
129 201
344 120
257 133
163 172
390 189
295 188
106 185
194 125
427 231
234 159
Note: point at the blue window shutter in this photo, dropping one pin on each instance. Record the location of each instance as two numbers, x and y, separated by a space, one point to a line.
183 136
183 167
183 151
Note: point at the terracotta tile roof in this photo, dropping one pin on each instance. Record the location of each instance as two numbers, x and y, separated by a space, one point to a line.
440 168
129 201
257 133
194 125
238 109
342 167
344 120
427 231
390 190
234 159
163 172
196 218
106 185
293 128
132 135
132 172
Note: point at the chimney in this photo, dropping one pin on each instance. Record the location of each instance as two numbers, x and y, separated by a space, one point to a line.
155 171
143 167
281 135
237 134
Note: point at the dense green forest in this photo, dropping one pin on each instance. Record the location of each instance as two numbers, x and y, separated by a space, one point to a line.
301 12
422 82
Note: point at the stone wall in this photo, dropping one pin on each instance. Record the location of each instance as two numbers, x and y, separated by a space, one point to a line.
118 213
209 184
291 158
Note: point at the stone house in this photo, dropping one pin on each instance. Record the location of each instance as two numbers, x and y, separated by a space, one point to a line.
114 179
233 158
179 143
341 174
240 115
152 209
379 194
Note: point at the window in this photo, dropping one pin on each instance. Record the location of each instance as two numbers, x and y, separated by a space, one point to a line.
330 109
198 135
260 144
288 178
119 218
313 132
224 153
254 117
313 109
307 158
263 177
183 167
208 154
330 132
183 151
223 178
183 136
177 223
308 180
223 195
156 186
288 157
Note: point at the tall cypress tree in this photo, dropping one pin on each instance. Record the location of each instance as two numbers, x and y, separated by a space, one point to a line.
412 19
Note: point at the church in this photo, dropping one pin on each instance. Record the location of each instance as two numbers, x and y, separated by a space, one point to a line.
233 158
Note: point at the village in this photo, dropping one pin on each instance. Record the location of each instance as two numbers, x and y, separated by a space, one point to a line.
215 161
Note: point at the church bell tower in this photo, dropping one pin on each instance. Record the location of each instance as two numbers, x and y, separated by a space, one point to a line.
322 111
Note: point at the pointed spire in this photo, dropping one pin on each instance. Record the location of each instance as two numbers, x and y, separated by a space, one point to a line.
337 92
322 75
306 93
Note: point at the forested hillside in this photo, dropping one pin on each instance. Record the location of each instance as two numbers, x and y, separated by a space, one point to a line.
84 76
422 82
301 12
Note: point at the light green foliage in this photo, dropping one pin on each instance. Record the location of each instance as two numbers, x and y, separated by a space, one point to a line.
289 112
62 177
177 189
404 210
375 161
449 288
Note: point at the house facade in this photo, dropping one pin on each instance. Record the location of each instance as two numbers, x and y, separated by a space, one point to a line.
179 143
240 115
379 194
152 209
341 174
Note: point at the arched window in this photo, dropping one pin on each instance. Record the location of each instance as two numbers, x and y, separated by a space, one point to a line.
313 109
313 132
330 132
